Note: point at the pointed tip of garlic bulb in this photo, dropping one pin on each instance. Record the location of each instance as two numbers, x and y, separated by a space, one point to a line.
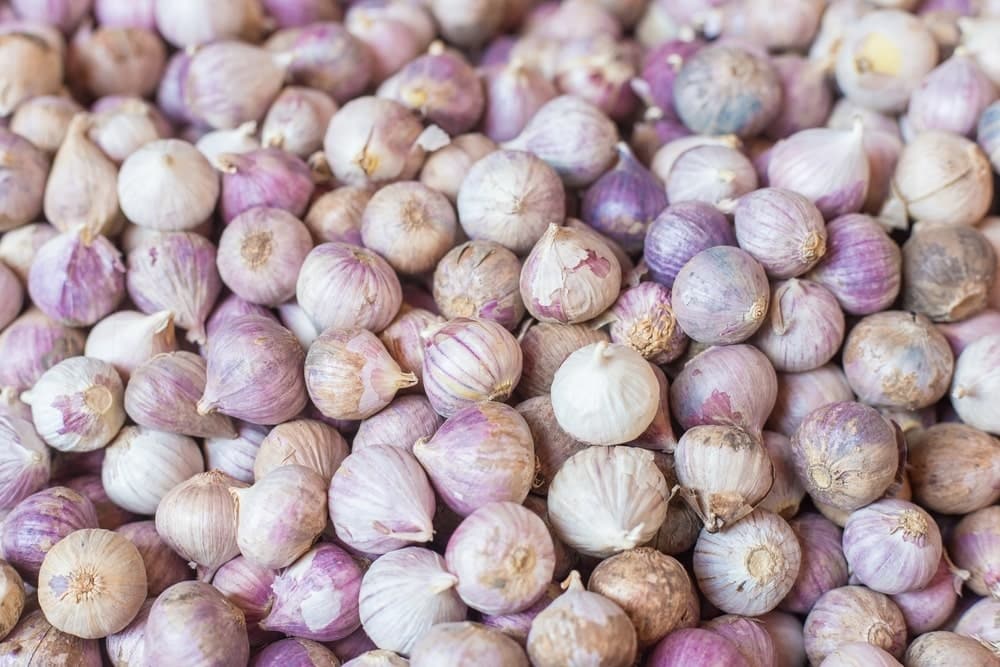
206 407
573 582
442 582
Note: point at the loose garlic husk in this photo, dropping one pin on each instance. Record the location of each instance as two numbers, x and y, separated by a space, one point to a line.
141 465
304 442
280 516
126 339
605 500
748 568
581 627
621 398
92 583
380 500
724 473
77 405
197 518
403 594
177 177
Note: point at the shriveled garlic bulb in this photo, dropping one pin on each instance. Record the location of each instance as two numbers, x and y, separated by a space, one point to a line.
605 394
748 568
608 499
92 583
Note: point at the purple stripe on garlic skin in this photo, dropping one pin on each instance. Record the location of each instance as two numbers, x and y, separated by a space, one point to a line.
951 97
930 607
266 177
782 229
380 500
235 456
24 461
823 566
32 344
248 586
77 278
109 515
659 435
400 424
517 625
38 522
853 614
295 651
163 394
644 320
403 339
697 648
229 308
391 40
975 545
661 65
681 232
979 621
127 646
297 120
751 639
514 92
336 215
806 95
325 56
804 327
304 442
480 279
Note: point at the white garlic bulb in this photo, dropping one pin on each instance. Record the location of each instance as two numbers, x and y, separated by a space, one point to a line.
748 568
605 500
605 394
127 338
78 404
403 594
141 465
167 185
92 583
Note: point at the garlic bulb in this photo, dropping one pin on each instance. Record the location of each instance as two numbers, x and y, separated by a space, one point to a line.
24 461
188 23
77 405
943 648
749 567
545 346
46 645
621 396
81 188
92 583
304 442
724 473
569 277
581 627
400 424
24 170
125 127
128 338
177 177
473 642
197 518
403 594
192 623
280 516
297 120
164 567
941 178
11 598
380 500
141 465
239 140
605 500
853 614
480 279
19 246
32 65
975 384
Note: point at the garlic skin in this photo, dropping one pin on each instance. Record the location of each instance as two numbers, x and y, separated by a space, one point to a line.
280 516
446 168
400 424
403 594
466 641
941 178
569 277
76 405
553 446
77 278
487 355
266 177
951 97
190 23
303 442
954 468
229 83
845 454
127 339
197 518
325 56
19 246
605 500
480 279
46 645
711 174
92 583
488 437
782 229
623 400
404 341
239 140
141 465
804 328
164 567
882 59
191 623
370 291
510 197
520 560
350 375
581 627
305 651
853 614
24 462
11 599
297 120
822 567
378 658
940 647
235 456
174 174
163 394
973 544
787 492
974 385
380 500
22 181
175 271
110 60
410 225
724 473
32 60
545 346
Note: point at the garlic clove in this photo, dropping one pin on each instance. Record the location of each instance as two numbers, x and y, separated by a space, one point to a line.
126 339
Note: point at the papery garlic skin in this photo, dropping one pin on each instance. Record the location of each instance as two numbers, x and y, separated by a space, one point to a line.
77 405
305 442
410 225
189 23
605 500
782 229
24 461
239 140
141 465
480 279
621 400
92 583
466 641
400 424
325 56
191 623
47 645
126 339
24 186
380 500
11 598
976 382
853 613
954 468
446 168
19 246
545 346
297 120
164 567
750 567
403 594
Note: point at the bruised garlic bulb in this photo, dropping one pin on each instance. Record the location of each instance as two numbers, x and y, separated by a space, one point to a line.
280 516
77 405
177 177
92 583
128 338
608 499
581 627
724 473
605 394
569 277
141 465
749 567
